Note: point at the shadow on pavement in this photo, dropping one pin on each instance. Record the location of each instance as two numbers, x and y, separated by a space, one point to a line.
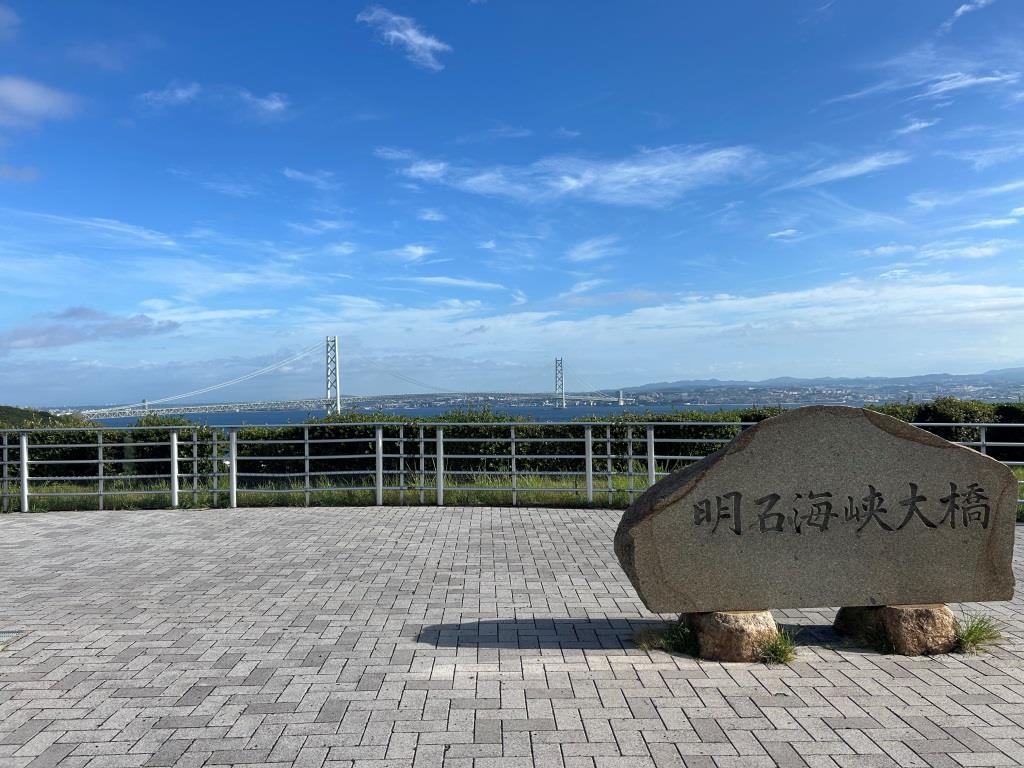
585 634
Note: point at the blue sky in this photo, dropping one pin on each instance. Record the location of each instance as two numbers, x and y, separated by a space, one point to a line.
464 190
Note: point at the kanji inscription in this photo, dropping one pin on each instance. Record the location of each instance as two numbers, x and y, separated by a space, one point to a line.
964 505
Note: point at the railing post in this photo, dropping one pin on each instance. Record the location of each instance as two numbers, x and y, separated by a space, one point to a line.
215 458
440 466
232 468
588 439
23 446
378 480
401 464
99 468
174 468
305 462
982 439
195 468
514 475
651 470
4 487
608 461
423 466
629 462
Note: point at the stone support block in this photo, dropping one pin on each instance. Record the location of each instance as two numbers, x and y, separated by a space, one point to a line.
732 635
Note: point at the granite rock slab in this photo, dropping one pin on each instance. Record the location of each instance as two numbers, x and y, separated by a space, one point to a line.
824 506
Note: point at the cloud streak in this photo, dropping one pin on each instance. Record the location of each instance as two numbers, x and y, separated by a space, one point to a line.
273 106
594 249
174 95
971 7
455 282
320 180
848 170
649 178
420 48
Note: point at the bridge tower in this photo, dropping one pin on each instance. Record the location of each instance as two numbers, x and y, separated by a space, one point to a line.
333 377
622 400
559 382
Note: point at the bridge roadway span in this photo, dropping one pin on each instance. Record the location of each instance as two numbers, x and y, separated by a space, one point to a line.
129 411
457 638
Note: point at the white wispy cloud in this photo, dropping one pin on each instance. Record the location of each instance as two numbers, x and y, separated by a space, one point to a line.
848 170
651 177
222 186
9 22
974 5
958 81
931 71
18 173
237 189
316 226
431 214
986 158
582 286
24 102
420 48
914 126
962 249
174 95
344 248
594 248
273 106
113 228
930 199
988 224
319 179
498 131
196 275
394 153
413 252
269 107
784 234
426 170
455 282
113 55
892 249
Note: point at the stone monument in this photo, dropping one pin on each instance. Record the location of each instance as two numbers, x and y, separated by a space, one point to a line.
826 506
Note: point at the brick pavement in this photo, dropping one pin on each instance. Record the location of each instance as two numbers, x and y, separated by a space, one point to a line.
468 638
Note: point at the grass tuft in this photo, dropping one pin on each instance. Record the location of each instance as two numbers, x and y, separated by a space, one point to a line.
975 633
674 637
781 649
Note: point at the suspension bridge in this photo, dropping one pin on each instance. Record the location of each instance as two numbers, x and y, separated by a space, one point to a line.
331 402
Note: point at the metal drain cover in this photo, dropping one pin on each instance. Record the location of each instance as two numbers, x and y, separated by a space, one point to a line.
8 636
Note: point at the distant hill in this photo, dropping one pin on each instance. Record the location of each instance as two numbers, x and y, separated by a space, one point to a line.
999 376
15 418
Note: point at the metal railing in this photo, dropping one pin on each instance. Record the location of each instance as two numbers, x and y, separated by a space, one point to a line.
385 462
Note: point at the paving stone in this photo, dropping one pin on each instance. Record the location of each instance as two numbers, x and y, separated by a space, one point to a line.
456 637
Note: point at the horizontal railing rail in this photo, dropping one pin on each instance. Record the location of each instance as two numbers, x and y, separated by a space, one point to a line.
607 463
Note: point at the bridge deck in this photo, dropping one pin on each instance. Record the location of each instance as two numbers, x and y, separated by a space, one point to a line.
455 637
